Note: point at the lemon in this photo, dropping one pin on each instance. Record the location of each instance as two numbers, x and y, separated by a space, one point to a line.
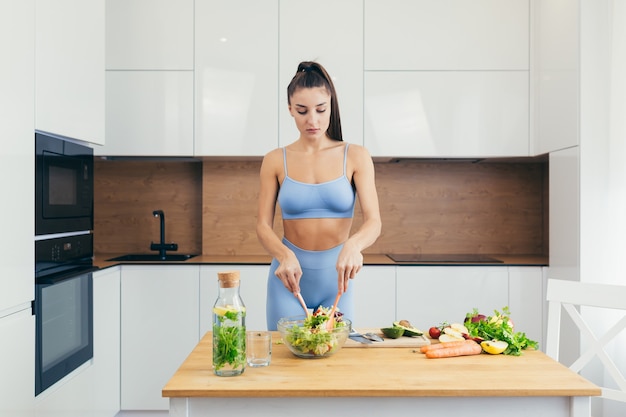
222 310
494 347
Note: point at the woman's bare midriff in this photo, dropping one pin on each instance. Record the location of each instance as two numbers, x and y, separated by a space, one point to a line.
317 234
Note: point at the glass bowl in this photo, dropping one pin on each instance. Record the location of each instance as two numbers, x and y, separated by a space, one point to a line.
312 343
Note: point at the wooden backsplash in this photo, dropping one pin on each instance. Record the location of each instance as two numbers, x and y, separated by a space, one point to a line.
426 207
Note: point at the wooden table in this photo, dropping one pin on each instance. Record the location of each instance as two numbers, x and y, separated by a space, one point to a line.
376 382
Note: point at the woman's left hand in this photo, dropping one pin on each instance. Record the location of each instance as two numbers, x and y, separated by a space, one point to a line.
349 263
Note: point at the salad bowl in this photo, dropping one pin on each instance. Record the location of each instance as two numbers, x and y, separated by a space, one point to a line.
307 337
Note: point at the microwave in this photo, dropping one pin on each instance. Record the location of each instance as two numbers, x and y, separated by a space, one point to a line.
63 185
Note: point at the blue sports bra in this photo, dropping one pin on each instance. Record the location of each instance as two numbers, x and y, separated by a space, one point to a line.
330 199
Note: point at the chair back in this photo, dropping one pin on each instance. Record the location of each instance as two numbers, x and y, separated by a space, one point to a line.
569 296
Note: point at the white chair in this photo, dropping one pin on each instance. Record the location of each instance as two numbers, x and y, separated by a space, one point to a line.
569 296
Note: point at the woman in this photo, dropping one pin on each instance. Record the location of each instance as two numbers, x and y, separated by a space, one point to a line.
315 180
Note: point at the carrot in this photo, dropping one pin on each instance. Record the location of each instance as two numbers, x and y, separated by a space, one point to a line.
448 352
436 346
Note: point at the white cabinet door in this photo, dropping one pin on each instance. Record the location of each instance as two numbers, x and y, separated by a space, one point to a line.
556 75
447 114
106 340
253 291
430 295
17 361
149 113
446 35
17 165
375 296
149 34
236 67
564 209
331 32
70 68
159 315
526 301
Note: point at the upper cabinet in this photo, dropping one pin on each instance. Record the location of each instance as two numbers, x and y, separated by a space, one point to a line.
69 68
556 75
447 113
331 33
149 82
149 113
425 35
447 79
149 34
236 83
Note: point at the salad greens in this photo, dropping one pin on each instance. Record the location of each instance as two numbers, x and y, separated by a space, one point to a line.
312 337
498 327
229 341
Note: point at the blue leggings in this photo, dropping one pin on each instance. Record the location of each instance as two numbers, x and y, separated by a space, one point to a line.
318 286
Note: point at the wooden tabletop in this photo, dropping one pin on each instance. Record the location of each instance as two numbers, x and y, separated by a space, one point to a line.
392 372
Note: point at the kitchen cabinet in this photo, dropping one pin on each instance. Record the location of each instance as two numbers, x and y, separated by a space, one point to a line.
455 114
71 396
410 35
149 34
70 67
17 165
556 75
236 62
564 207
106 340
304 36
159 316
17 361
253 290
149 113
430 295
527 301
374 296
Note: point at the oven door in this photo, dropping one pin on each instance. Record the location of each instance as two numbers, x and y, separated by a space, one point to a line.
64 325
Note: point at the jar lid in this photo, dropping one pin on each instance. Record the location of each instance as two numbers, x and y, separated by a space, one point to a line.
228 279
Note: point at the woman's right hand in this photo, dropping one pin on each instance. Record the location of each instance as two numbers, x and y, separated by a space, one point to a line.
290 272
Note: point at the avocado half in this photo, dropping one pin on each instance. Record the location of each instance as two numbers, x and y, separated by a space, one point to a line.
408 329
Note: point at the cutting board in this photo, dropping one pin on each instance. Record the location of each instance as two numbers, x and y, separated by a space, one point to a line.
401 342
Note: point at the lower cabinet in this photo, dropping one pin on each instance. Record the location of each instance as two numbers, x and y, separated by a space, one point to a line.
17 364
374 296
159 327
429 295
106 340
527 301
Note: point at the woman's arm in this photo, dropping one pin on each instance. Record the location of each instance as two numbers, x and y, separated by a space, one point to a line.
289 271
350 260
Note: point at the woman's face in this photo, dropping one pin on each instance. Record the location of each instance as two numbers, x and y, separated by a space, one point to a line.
310 108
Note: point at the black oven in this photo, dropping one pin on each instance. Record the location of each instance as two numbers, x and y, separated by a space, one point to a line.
63 185
63 307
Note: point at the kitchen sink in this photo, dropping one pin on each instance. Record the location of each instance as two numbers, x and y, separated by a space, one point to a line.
152 257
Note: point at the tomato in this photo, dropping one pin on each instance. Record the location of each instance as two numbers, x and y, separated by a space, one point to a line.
434 332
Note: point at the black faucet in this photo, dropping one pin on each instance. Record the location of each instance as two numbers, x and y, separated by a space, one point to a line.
162 247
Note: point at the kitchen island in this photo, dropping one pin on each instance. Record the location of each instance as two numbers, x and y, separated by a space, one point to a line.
383 381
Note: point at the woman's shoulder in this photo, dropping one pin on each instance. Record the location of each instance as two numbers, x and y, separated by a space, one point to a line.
274 155
357 151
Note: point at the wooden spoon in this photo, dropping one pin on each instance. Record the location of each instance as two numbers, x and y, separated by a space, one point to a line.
330 324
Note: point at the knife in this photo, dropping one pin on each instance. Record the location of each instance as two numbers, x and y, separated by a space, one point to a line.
359 337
